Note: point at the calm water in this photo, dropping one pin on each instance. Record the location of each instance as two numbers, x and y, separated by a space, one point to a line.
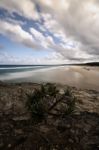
79 76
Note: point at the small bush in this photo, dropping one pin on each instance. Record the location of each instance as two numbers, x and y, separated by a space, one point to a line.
68 92
51 89
71 106
70 101
35 105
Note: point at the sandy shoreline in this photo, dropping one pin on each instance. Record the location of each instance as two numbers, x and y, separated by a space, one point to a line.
77 76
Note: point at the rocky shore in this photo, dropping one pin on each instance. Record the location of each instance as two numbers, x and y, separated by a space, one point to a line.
66 119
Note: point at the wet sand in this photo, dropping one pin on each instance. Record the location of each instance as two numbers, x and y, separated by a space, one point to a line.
77 76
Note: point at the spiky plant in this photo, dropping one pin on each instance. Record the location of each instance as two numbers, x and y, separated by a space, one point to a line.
35 105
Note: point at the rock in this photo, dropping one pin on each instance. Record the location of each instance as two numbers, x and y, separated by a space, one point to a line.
19 131
61 91
9 145
20 118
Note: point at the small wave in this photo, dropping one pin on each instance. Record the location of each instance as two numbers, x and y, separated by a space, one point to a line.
7 68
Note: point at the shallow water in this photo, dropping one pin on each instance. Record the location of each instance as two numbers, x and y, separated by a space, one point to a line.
79 76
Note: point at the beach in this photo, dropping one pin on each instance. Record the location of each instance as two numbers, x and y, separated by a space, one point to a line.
75 129
85 77
49 74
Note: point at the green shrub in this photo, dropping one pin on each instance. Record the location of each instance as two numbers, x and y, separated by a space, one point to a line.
37 102
70 105
68 92
51 89
35 105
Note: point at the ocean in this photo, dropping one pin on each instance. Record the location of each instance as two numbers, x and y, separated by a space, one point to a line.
6 69
21 73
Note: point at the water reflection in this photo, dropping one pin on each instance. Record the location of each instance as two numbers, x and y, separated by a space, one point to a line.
81 77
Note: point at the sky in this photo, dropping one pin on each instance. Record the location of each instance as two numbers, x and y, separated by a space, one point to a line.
49 31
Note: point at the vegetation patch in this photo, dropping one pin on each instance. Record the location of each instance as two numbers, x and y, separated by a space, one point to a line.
38 102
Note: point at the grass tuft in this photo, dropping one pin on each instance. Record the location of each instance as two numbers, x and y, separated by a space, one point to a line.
37 102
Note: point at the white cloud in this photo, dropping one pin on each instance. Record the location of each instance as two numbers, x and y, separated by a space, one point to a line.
54 5
34 39
44 41
79 21
14 32
24 8
49 22
38 37
53 57
17 34
74 22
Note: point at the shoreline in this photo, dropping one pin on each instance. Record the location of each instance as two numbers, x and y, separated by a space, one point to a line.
77 76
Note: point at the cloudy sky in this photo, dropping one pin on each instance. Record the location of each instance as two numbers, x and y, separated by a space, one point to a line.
49 31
